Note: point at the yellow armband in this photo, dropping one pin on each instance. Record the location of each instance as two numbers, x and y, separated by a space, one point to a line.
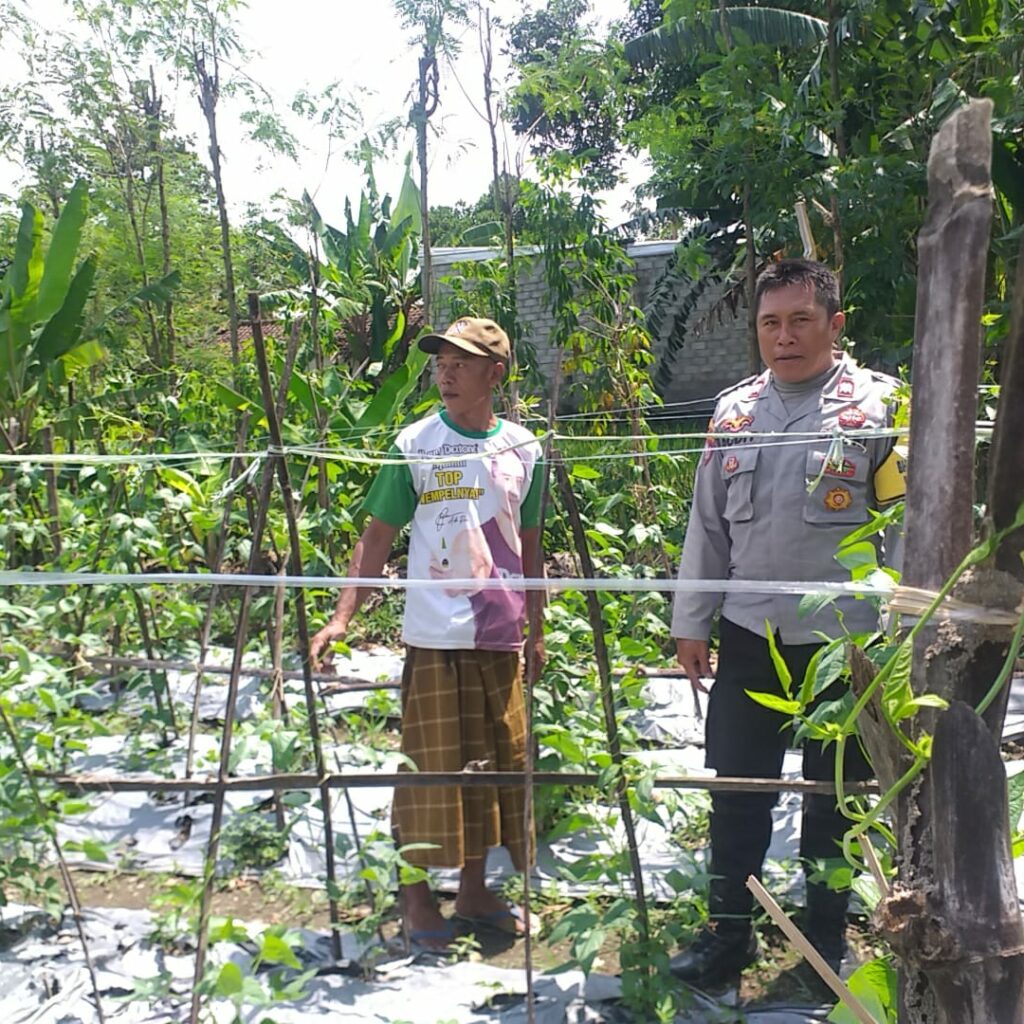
891 476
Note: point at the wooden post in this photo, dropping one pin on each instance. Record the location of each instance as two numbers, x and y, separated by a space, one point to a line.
1006 464
953 916
259 522
952 255
275 635
607 698
51 494
211 604
978 972
302 622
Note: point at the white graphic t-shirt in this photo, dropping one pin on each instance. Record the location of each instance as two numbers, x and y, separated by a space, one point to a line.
468 495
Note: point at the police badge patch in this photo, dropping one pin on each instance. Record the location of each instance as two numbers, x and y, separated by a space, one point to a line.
852 417
838 498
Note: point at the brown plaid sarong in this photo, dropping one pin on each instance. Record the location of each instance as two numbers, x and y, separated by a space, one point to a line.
457 707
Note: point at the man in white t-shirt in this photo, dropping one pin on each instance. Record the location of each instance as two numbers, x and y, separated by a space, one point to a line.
470 485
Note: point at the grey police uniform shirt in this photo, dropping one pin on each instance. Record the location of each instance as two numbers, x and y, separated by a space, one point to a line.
754 516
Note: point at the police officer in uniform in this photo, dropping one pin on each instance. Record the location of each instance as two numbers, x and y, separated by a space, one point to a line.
765 511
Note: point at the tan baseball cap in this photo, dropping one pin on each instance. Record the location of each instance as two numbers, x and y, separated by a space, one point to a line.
479 336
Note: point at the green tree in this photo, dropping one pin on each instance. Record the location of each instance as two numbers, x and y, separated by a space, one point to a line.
746 109
429 19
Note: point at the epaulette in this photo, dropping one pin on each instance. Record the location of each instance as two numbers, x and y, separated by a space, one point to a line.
885 378
746 382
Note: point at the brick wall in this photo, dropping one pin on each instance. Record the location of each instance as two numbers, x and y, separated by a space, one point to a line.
698 368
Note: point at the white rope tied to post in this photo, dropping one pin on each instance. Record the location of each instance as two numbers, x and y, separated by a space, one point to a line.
750 439
49 578
895 598
915 601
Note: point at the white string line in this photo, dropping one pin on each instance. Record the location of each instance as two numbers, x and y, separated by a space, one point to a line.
894 597
164 458
784 439
48 578
611 415
319 451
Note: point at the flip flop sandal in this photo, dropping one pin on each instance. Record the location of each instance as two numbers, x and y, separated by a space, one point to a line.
506 920
417 940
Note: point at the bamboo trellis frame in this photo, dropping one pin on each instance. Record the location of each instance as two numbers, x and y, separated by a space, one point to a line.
322 780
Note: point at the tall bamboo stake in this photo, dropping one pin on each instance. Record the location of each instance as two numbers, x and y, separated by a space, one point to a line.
51 494
275 635
528 774
302 622
147 644
217 817
211 604
115 500
607 698
65 874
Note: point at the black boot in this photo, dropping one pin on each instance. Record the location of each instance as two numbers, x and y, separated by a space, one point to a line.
716 957
726 945
825 922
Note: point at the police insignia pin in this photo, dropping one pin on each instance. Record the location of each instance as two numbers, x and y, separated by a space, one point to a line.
838 498
845 387
733 425
731 464
852 417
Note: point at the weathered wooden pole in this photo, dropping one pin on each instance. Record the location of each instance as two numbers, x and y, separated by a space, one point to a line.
952 254
52 503
259 522
211 603
607 697
301 620
1006 463
953 916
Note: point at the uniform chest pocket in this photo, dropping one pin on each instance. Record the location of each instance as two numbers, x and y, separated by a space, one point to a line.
840 493
738 465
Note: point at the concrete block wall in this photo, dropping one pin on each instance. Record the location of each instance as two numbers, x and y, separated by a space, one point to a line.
701 367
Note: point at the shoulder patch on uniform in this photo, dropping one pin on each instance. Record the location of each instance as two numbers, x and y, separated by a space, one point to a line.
884 378
747 381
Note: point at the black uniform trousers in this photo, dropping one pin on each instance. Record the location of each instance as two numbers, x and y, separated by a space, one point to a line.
744 738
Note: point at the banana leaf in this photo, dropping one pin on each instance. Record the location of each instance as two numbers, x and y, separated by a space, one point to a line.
383 407
63 330
62 253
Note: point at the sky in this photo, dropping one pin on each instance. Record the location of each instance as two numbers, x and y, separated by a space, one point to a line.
308 44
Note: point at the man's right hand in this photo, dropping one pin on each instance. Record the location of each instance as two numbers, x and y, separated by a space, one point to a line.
321 641
693 656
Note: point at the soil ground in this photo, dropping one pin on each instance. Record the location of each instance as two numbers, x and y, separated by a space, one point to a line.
780 977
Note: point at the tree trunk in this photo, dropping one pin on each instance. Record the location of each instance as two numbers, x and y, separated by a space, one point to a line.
754 352
209 93
120 151
953 916
507 312
153 108
423 109
839 132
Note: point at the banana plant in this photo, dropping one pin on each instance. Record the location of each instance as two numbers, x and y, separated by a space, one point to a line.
42 306
44 339
369 282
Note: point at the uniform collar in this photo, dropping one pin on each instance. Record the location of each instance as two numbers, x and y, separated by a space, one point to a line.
839 386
